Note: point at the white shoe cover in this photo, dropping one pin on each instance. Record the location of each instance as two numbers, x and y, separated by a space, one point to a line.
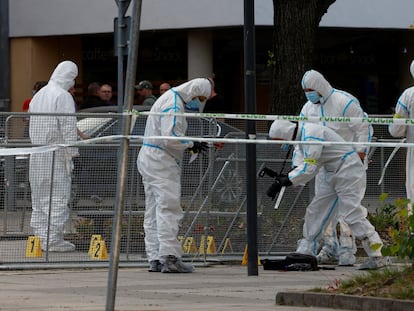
326 258
373 263
347 259
61 247
172 264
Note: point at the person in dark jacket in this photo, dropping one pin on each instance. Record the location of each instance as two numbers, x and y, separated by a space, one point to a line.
93 99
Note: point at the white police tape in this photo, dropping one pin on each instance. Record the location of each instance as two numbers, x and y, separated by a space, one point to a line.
246 116
263 117
12 151
41 149
6 150
387 143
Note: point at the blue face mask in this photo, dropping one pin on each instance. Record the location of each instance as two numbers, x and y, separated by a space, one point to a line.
313 97
193 105
285 147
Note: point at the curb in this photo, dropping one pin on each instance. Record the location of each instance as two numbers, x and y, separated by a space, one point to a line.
347 302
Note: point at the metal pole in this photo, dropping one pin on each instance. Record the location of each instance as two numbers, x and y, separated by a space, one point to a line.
123 157
4 58
120 87
49 215
250 106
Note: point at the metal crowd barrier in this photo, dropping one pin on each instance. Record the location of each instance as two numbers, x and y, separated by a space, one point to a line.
213 195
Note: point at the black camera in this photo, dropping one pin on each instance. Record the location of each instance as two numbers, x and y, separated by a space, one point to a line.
274 189
268 172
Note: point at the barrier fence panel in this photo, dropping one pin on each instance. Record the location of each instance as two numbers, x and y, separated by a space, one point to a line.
213 193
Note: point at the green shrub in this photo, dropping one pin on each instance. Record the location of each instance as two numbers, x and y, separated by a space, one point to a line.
400 229
384 217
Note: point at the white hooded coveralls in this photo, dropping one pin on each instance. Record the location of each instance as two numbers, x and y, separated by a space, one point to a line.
335 103
159 163
50 130
404 109
345 184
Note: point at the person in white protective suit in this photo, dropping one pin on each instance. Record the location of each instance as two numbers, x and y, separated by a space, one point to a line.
50 130
345 183
159 163
326 101
405 109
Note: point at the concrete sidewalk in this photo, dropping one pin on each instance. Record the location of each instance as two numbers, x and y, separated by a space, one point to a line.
210 287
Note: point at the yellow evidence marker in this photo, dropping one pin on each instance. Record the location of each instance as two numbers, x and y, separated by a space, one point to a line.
95 238
189 246
211 245
97 248
245 259
33 247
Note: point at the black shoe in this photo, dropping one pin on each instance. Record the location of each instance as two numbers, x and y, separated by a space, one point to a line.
155 266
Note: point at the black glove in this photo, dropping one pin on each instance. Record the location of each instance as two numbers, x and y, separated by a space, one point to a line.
280 181
274 189
198 147
284 180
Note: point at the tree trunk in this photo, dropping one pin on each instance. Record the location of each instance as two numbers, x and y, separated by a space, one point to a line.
295 25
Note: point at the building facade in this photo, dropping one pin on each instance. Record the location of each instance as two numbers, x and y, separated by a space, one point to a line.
361 47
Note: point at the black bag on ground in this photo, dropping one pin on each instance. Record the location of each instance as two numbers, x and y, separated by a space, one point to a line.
292 262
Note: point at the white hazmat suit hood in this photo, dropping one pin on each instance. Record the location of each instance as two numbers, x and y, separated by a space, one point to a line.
282 129
65 74
314 80
412 68
337 104
194 88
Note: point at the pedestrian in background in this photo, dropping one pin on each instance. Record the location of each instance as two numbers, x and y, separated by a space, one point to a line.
93 98
105 93
144 90
164 87
36 87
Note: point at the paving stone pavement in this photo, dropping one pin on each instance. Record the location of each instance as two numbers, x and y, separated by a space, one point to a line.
224 287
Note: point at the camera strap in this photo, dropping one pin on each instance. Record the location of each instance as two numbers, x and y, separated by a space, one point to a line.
295 132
